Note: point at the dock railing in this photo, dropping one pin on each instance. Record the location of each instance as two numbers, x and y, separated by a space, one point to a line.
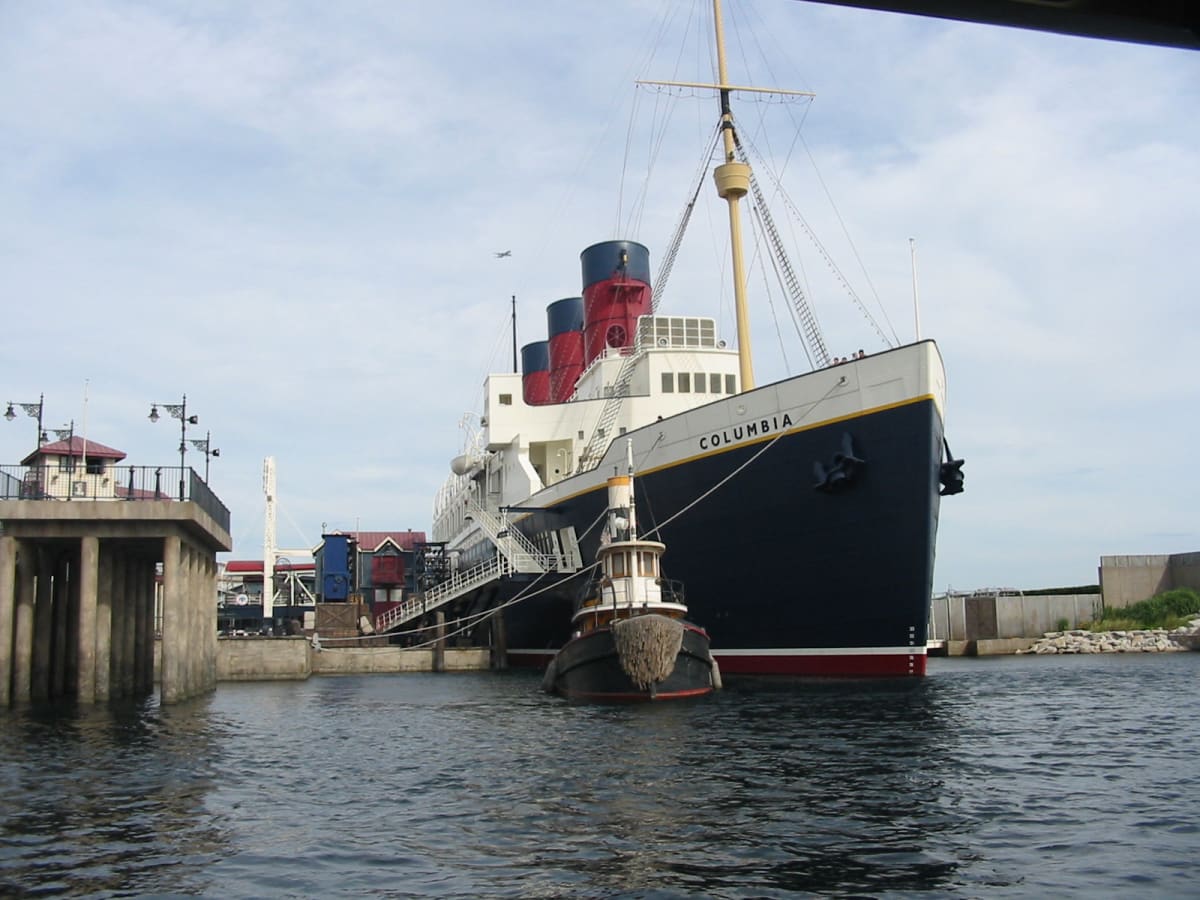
80 482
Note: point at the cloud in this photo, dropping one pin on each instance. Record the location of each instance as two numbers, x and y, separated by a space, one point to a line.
289 213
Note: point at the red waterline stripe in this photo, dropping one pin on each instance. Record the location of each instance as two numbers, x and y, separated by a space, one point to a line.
843 664
833 664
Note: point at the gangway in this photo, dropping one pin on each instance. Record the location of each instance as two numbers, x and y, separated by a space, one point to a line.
515 555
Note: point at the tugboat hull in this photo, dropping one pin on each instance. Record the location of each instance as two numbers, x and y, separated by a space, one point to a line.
590 668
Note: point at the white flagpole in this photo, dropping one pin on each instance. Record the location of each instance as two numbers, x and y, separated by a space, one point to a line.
83 455
912 249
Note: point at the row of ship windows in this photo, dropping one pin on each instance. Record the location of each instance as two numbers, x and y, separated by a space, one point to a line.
697 383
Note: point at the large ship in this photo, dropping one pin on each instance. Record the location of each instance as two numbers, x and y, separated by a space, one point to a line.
801 514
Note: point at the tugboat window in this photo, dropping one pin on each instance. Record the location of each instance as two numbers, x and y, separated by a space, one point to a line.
646 566
730 385
714 383
685 382
668 382
618 565
698 381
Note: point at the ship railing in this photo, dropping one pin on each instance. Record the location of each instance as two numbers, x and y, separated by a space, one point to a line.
455 586
512 544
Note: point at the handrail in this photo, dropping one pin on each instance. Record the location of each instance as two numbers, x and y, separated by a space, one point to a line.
459 583
505 538
75 480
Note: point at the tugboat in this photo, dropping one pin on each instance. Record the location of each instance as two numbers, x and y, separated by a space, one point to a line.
631 640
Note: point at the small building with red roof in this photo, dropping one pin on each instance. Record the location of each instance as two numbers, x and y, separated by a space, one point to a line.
75 469
380 564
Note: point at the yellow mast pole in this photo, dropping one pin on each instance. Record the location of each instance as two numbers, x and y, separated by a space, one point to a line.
733 183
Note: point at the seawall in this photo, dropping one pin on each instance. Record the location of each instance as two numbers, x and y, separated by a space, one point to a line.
295 659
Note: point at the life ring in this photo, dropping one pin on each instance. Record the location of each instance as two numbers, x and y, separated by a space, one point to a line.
242 600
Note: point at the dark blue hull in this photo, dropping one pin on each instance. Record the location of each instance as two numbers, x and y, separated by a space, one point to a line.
788 577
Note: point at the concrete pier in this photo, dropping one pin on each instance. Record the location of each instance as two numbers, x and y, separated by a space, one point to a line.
83 585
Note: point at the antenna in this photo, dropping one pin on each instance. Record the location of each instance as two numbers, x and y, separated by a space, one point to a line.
268 592
912 250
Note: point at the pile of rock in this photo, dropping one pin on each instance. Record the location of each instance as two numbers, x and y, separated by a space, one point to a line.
1154 640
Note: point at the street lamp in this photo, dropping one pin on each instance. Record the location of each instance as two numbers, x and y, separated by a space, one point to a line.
34 411
204 447
179 412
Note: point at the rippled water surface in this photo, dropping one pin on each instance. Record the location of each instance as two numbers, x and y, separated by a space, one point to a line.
1021 776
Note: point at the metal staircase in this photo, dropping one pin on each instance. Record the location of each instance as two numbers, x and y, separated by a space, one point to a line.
590 457
515 555
416 605
522 556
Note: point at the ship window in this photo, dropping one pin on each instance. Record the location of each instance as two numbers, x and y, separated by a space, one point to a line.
618 565
506 399
685 382
698 381
646 566
730 385
714 384
581 435
620 431
668 382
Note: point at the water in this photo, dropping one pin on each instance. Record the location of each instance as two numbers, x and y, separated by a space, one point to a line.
1020 776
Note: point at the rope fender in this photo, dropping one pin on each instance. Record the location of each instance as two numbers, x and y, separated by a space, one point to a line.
647 647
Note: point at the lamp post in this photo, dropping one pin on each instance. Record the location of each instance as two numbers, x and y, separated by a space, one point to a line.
68 434
34 411
178 411
205 446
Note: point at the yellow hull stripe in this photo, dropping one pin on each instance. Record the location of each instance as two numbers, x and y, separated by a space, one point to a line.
797 429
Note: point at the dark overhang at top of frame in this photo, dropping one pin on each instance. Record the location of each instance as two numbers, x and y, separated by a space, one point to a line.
1167 23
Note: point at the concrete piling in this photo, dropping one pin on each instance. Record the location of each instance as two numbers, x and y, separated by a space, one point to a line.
78 596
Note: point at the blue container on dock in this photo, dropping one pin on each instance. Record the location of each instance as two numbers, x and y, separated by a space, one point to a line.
337 568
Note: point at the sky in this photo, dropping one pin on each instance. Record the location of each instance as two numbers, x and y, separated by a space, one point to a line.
290 212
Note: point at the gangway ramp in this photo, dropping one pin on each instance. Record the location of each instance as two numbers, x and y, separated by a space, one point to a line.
515 555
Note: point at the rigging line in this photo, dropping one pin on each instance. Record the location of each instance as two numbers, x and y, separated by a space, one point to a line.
637 208
756 221
737 471
668 260
812 329
829 261
853 248
501 335
771 297
806 292
633 108
657 139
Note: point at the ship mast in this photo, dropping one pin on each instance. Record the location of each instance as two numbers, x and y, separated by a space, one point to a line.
733 183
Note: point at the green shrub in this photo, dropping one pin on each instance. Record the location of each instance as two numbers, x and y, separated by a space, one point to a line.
1063 624
1165 610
